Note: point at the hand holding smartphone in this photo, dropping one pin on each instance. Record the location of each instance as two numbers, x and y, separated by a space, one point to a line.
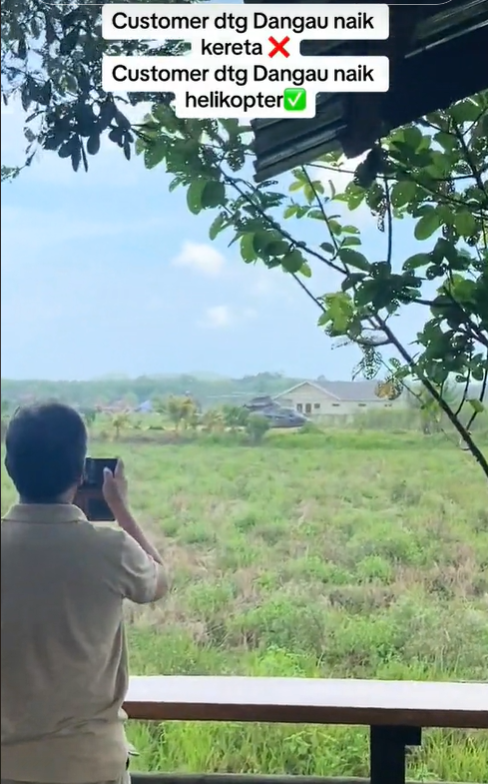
103 498
90 497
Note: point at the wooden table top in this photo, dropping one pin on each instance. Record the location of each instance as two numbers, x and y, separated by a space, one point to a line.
308 701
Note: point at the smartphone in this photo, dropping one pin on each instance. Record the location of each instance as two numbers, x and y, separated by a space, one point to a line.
89 496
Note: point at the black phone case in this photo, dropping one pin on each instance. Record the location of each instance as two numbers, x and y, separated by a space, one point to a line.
90 496
93 475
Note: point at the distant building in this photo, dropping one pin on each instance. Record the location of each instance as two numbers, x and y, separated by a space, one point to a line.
118 407
335 398
145 408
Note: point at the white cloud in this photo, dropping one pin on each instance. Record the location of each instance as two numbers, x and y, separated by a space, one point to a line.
222 316
218 317
201 258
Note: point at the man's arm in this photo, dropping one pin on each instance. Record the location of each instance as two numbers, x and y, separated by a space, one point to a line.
144 576
131 527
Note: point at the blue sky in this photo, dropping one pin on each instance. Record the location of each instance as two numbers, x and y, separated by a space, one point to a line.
108 272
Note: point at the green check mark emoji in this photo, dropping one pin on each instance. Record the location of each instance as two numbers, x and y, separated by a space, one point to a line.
295 99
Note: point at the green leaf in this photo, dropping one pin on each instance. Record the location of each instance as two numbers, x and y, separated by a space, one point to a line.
69 42
45 93
465 111
66 149
293 261
465 223
277 248
76 155
290 211
463 290
340 310
300 175
446 140
402 193
213 195
93 144
262 239
155 153
231 126
416 261
334 226
480 130
328 247
217 226
352 258
352 280
413 137
305 270
427 225
248 252
22 49
194 195
296 186
355 197
174 184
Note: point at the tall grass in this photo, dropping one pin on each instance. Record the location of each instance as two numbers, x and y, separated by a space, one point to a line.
334 554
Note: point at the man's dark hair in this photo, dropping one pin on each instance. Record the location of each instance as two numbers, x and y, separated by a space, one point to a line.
45 451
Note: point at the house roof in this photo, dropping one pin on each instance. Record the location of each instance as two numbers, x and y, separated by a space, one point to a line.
146 406
441 49
354 391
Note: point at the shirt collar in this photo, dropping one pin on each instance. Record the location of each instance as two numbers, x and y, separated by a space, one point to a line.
44 513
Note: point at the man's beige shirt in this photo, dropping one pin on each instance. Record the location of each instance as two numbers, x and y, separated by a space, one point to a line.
64 660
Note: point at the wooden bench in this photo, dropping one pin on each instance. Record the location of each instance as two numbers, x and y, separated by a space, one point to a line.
395 711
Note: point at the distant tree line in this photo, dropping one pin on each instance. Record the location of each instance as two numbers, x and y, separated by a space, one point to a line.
131 392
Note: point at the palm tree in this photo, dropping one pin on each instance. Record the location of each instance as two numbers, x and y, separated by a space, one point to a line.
181 411
212 420
120 421
189 413
175 411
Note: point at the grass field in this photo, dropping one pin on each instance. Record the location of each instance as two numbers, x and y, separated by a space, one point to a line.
360 554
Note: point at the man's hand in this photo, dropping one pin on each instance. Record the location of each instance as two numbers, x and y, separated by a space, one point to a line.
115 488
115 493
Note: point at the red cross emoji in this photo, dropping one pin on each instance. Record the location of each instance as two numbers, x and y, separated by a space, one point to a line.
279 46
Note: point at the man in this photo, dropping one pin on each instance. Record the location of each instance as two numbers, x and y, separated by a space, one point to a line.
64 661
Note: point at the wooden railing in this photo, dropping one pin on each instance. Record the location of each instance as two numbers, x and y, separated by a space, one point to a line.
395 711
232 778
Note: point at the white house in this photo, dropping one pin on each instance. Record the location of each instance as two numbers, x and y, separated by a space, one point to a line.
335 398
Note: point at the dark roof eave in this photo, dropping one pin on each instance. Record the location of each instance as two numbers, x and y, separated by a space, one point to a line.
282 144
